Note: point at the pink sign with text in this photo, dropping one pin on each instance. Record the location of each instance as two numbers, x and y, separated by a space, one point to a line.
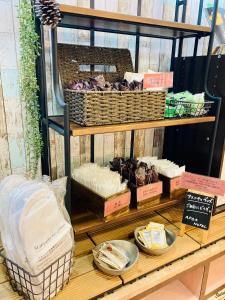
117 203
209 185
158 80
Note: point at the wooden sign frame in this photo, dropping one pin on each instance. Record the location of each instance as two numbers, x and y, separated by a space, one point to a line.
205 233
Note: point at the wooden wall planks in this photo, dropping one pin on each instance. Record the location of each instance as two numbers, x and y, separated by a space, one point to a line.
154 54
12 157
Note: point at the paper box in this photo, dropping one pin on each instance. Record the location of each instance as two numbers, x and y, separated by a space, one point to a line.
171 187
147 195
106 208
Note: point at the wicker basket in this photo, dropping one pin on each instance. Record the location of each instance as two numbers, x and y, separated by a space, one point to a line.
111 107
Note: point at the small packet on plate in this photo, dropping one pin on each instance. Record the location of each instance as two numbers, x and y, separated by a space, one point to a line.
146 238
158 238
112 256
153 225
153 236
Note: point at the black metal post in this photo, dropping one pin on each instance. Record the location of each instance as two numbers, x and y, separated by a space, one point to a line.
217 100
66 109
136 70
183 19
137 39
132 144
41 81
173 54
174 44
67 156
92 43
92 158
199 20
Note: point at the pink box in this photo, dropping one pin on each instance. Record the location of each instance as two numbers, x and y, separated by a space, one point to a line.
175 183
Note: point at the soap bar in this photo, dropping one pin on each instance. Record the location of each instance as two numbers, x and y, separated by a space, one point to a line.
112 256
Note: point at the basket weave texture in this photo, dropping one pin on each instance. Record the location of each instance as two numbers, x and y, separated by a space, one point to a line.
89 108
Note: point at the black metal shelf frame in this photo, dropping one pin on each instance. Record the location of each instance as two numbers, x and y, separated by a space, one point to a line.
65 131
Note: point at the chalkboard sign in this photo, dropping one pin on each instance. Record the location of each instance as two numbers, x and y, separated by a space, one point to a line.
197 210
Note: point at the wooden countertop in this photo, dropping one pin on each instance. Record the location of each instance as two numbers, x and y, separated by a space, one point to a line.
87 282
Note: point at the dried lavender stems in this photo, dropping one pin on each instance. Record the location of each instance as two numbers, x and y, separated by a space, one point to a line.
99 83
137 173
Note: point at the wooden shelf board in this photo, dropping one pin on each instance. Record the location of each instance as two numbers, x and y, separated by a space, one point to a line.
83 246
147 263
217 294
174 215
220 209
216 230
126 231
90 223
86 18
89 285
77 130
160 277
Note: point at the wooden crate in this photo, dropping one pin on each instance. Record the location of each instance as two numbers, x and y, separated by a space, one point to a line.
171 187
147 195
106 208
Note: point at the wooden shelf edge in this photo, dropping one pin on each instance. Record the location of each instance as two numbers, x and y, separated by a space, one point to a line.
77 130
215 291
112 16
93 224
219 209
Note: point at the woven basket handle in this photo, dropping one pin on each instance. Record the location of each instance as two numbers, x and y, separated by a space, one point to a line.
72 57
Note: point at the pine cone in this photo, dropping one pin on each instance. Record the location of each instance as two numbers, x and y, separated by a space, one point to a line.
48 12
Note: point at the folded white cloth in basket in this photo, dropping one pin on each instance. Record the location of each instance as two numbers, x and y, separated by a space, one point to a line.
35 233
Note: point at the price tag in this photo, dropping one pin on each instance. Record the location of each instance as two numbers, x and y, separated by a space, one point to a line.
117 203
158 80
149 191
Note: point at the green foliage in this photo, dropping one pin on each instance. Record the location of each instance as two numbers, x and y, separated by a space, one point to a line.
29 47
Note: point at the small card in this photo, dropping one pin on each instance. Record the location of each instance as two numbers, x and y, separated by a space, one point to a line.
158 80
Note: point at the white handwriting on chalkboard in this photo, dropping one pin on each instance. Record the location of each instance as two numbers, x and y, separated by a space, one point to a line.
206 199
191 218
198 208
200 225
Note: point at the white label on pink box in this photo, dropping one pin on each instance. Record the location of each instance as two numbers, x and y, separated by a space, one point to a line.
117 203
149 191
175 183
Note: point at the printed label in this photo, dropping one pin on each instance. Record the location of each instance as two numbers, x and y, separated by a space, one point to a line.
117 203
210 185
158 80
149 191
